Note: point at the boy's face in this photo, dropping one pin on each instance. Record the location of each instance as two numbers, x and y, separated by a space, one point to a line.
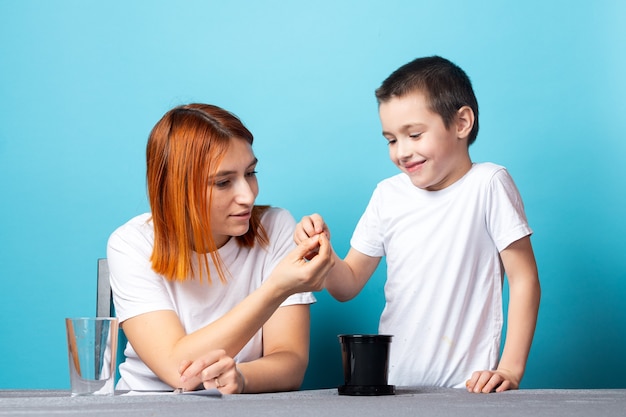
420 145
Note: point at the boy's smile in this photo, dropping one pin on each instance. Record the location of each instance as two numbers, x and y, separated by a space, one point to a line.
413 166
433 156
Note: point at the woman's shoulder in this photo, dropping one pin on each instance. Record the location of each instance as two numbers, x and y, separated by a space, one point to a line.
134 239
278 221
141 221
273 215
139 227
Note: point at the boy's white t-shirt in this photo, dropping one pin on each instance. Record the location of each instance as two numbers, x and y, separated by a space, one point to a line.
138 289
444 275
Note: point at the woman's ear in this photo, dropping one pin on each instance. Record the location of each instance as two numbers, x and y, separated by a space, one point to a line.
464 122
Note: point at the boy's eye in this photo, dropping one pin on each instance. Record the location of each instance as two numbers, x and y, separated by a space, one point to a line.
391 141
415 135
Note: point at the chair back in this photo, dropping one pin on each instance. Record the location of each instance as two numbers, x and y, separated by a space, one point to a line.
105 308
104 301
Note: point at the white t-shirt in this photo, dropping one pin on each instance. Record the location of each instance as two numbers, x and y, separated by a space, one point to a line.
444 275
137 289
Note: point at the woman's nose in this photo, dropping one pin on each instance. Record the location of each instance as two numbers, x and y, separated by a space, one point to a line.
245 193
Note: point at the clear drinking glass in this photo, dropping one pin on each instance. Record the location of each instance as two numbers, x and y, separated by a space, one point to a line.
92 348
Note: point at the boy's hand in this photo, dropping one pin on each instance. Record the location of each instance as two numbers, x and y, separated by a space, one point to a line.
310 226
490 381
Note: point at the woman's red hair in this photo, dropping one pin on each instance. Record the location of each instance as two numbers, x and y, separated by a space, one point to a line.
184 151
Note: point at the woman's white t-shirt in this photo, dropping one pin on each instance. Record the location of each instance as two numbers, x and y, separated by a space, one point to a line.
137 289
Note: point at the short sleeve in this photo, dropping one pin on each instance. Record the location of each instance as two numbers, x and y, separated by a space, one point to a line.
506 218
367 237
136 287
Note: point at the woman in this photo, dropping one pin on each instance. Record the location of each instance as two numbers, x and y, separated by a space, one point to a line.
210 289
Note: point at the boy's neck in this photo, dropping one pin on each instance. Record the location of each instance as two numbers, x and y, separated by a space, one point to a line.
463 166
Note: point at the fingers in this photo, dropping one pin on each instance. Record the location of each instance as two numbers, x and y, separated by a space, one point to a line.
505 385
298 275
295 274
214 370
320 246
489 381
322 263
194 369
310 226
306 247
312 246
470 384
183 366
324 251
226 379
300 234
315 224
478 383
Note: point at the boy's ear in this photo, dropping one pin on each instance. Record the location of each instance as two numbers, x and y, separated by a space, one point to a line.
464 122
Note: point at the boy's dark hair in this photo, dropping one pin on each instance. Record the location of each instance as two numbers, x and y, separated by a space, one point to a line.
446 86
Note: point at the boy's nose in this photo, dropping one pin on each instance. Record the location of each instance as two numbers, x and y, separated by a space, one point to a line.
404 149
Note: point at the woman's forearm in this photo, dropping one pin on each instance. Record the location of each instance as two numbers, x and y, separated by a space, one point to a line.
280 371
161 342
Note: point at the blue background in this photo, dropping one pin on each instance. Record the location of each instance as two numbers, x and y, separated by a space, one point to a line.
83 82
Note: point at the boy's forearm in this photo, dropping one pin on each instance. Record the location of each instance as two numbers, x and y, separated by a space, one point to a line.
341 281
522 319
348 276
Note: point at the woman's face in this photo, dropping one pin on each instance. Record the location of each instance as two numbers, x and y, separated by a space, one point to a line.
234 189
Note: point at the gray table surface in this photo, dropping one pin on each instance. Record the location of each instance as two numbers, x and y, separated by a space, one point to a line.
325 403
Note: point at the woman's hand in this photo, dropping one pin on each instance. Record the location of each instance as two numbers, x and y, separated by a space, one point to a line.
296 274
489 381
214 370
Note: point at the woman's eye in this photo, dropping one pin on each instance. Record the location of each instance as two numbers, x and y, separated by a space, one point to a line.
251 174
222 184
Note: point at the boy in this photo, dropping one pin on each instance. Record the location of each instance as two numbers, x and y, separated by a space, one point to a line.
449 229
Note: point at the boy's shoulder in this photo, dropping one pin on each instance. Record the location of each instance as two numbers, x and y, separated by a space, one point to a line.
483 175
486 168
